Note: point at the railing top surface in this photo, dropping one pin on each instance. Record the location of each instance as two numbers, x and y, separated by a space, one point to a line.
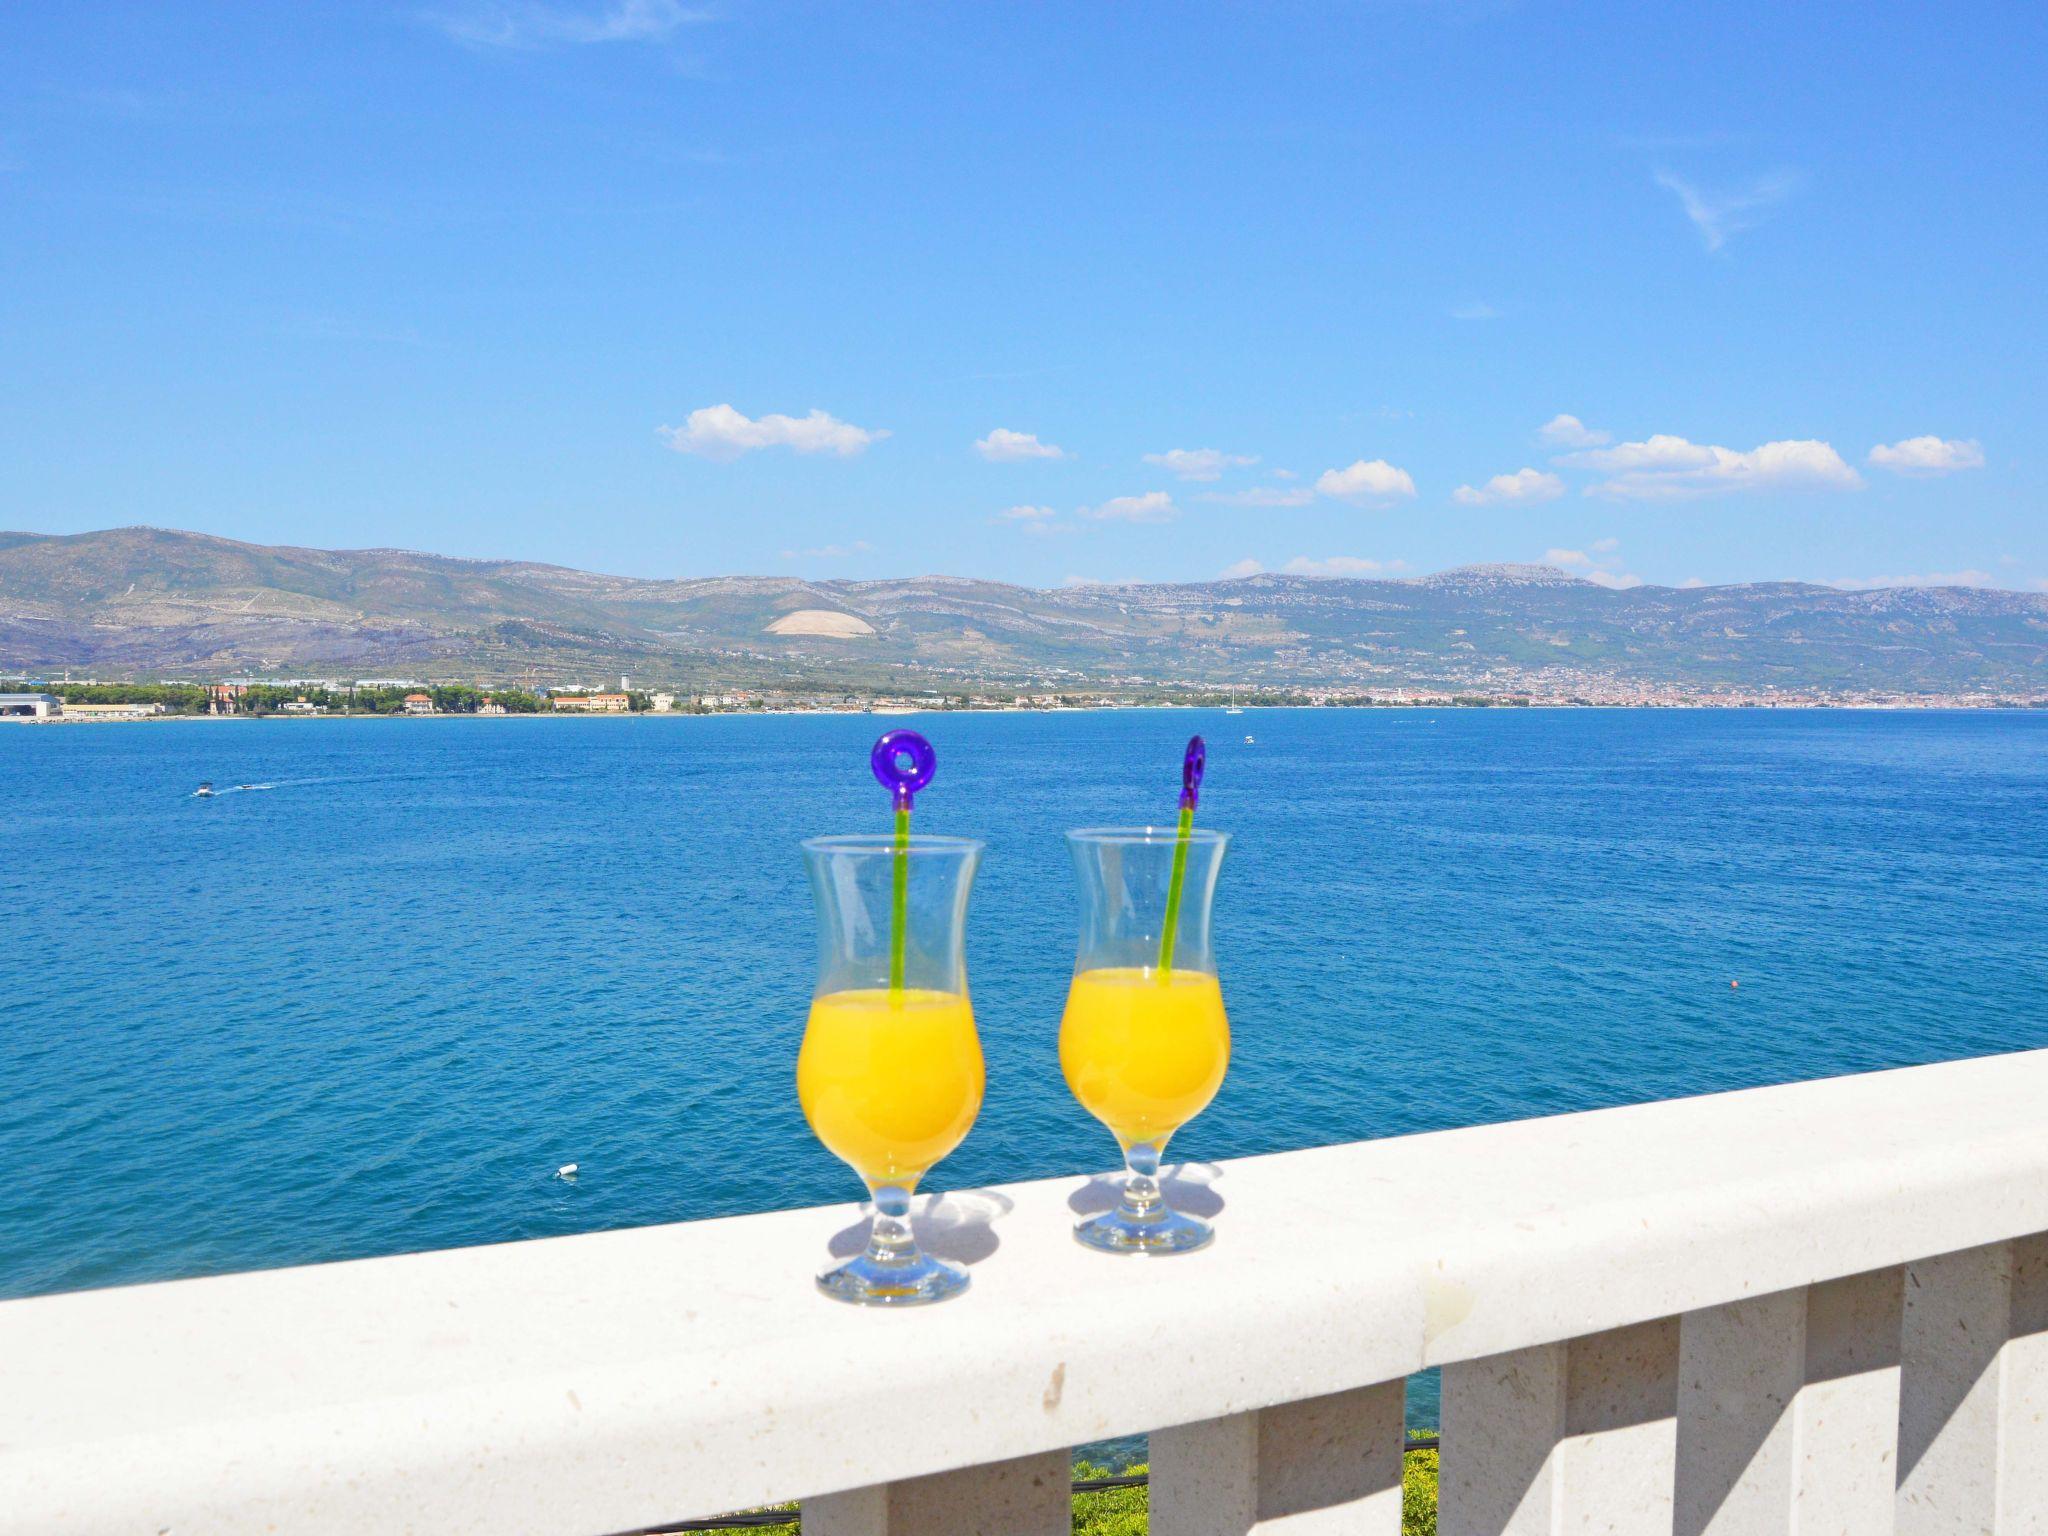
610 1381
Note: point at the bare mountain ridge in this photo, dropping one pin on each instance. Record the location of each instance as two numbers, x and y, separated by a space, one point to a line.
152 601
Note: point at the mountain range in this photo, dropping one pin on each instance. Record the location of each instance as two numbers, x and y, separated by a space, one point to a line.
152 602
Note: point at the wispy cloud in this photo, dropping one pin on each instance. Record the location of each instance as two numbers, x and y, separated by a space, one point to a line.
722 433
536 24
1366 480
1152 507
1346 566
829 551
1523 485
1240 568
1042 521
1664 467
1926 456
1002 446
1262 496
1563 431
1598 566
1473 309
1967 578
1719 216
1200 463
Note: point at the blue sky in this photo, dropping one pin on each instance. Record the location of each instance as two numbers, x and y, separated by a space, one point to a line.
1037 292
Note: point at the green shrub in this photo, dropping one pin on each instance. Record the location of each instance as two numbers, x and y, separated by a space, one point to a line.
1124 1511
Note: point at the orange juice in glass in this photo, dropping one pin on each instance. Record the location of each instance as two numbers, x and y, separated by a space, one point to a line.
1144 1042
890 1072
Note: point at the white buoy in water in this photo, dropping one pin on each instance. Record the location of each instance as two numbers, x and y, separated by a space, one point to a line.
566 1171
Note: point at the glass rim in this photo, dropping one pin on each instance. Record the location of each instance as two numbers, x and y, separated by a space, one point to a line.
885 842
1145 836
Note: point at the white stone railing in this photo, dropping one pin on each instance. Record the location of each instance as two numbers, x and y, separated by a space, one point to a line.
1819 1309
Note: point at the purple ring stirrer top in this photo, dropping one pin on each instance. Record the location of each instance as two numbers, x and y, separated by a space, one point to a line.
904 779
1191 767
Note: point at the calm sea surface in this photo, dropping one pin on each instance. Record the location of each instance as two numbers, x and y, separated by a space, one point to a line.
373 1008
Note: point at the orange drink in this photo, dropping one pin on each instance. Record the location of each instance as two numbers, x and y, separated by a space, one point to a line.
890 1081
1143 1050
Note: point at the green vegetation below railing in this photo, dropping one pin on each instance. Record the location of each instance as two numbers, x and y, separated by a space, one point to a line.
1127 1511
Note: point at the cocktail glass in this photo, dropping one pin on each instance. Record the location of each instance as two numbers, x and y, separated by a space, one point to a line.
890 1074
1144 1043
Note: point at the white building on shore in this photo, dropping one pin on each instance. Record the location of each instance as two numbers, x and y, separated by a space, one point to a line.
30 706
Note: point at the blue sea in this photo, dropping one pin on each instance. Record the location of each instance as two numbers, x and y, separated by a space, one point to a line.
372 1006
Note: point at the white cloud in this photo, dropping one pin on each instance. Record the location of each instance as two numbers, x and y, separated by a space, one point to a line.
1262 496
1569 559
1026 514
1929 455
1152 507
1474 310
1283 474
1342 566
1522 485
829 551
1563 431
1237 568
1619 581
1200 463
1365 480
534 24
1720 215
720 432
1003 446
1662 467
1691 582
1604 546
1924 579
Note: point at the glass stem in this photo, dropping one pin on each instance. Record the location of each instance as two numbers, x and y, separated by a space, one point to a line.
890 1240
1142 1200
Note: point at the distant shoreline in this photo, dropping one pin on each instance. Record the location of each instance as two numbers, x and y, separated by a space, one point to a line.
1894 708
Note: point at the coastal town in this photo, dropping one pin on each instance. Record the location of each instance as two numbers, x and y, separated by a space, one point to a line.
83 700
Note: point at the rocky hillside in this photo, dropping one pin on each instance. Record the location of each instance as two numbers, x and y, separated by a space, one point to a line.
147 601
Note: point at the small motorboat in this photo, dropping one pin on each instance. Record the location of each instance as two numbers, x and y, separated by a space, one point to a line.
1250 741
204 791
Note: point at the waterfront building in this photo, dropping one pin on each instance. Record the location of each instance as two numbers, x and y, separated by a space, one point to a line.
419 704
592 703
490 706
30 706
303 707
663 702
225 698
111 711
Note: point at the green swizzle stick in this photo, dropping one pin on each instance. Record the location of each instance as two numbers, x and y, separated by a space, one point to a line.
1192 762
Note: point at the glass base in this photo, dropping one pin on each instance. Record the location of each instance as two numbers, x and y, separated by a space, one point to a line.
915 1281
1156 1234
